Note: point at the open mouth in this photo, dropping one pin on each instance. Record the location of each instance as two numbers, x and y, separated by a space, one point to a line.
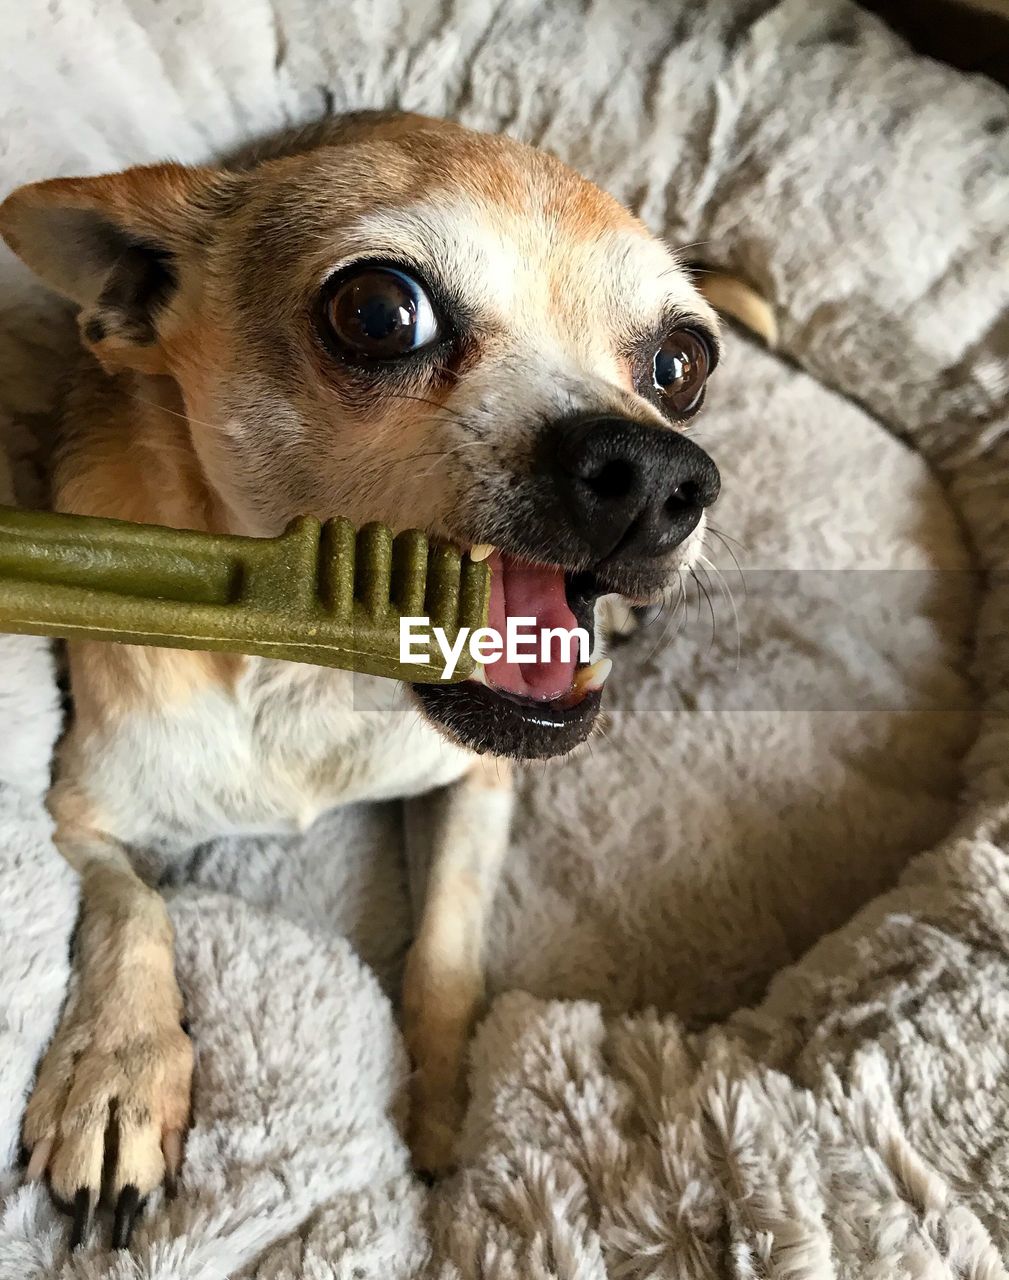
546 704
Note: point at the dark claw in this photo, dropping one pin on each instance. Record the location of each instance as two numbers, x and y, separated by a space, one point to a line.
64 1206
186 1026
82 1209
24 1155
171 1186
427 1178
128 1208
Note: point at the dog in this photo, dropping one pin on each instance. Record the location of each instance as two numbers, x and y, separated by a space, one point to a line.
389 318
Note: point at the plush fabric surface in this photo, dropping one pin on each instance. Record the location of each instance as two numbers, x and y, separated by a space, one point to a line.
658 1089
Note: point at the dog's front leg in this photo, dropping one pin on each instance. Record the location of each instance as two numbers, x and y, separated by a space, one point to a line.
455 861
111 1101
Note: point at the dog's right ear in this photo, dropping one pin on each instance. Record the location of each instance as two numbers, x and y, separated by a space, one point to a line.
116 245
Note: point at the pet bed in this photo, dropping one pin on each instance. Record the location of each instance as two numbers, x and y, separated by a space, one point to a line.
750 962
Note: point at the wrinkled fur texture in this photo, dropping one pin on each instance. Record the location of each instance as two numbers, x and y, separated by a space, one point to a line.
853 1123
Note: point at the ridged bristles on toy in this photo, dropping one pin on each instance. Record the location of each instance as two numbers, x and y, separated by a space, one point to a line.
320 593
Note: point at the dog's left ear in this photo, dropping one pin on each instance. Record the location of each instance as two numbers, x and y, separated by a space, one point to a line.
117 245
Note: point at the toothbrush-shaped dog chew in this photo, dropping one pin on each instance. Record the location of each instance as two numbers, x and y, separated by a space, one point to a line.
317 593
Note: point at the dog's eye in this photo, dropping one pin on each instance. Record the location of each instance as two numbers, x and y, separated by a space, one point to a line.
680 370
381 313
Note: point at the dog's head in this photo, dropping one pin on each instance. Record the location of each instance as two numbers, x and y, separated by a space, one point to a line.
425 326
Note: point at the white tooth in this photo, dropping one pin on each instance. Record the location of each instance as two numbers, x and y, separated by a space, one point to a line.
594 676
479 674
482 551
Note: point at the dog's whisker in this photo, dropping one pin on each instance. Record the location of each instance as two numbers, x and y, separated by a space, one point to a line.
681 249
671 619
437 453
452 416
678 618
174 413
720 533
727 593
650 622
713 570
431 404
737 566
447 372
702 588
717 533
440 455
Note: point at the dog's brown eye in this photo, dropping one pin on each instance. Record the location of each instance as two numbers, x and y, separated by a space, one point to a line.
680 370
381 313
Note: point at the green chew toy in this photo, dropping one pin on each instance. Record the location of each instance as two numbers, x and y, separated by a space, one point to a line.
317 593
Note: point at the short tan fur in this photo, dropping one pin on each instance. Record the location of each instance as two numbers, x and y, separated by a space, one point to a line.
204 400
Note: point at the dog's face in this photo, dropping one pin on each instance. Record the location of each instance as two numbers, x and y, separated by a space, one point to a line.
424 326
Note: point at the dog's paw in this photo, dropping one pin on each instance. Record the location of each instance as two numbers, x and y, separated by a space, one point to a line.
110 1107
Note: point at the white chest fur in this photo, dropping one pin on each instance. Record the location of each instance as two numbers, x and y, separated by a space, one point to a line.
289 742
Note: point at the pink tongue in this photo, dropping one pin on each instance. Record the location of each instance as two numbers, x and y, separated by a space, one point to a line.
522 590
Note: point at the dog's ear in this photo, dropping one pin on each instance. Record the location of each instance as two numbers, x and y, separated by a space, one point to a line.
116 245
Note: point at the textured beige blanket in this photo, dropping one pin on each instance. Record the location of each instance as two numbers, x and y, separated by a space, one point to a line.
644 1103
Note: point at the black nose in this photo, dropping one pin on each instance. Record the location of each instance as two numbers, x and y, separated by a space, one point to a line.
629 488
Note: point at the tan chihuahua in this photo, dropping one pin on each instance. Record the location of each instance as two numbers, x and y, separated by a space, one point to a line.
393 319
